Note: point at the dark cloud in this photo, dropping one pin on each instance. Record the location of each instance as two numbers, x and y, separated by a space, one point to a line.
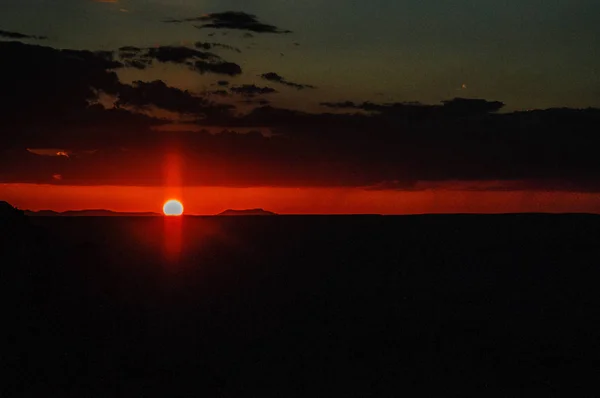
346 150
178 54
16 35
49 100
251 90
274 77
232 20
50 83
394 185
342 105
470 106
260 101
210 46
140 64
221 68
396 107
47 96
132 57
200 61
222 93
223 83
174 54
158 94
42 82
451 108
130 49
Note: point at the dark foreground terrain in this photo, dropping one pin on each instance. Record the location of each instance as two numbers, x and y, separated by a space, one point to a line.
301 306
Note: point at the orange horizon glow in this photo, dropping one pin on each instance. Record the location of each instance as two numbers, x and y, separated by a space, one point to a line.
306 200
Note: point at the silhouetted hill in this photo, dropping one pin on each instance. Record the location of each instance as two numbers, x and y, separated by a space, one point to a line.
17 238
248 212
7 210
88 213
14 215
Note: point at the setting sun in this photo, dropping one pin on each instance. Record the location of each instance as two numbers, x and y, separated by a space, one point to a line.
173 208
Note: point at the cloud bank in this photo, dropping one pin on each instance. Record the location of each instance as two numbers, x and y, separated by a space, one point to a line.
51 99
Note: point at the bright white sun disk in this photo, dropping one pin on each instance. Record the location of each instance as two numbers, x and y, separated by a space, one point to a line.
173 208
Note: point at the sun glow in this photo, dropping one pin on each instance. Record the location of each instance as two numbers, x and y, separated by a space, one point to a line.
173 208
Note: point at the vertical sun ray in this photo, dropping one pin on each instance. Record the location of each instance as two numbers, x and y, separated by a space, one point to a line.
173 226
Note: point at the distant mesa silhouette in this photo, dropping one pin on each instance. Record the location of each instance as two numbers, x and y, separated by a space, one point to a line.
248 212
42 213
88 213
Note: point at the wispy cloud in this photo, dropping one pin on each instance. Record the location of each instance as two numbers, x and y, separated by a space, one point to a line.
199 61
210 46
232 20
250 90
274 77
16 35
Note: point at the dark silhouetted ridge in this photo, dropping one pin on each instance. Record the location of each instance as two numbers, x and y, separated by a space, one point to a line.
88 213
7 210
248 212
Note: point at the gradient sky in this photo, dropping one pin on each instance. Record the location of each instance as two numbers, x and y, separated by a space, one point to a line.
355 143
533 54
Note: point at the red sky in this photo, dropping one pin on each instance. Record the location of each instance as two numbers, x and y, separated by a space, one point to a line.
81 132
212 200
